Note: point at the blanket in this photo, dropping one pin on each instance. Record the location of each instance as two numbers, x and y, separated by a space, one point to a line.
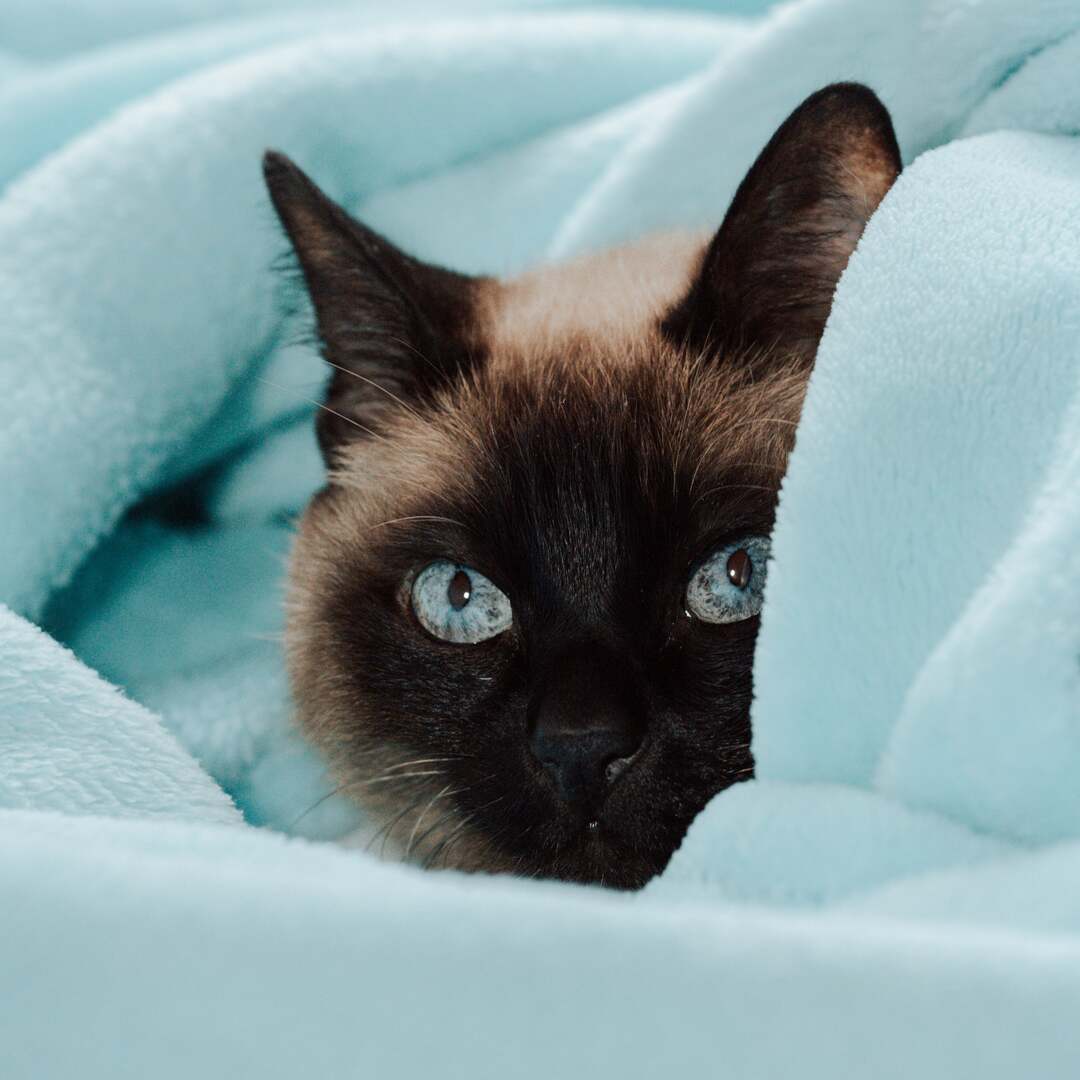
896 894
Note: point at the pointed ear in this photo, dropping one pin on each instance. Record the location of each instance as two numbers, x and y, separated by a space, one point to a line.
393 328
767 279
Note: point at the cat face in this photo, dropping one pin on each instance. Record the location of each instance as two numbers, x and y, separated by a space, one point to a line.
523 609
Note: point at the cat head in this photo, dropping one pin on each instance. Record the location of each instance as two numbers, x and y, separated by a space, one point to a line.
523 608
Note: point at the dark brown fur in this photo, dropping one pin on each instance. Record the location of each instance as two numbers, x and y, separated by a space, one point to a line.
583 436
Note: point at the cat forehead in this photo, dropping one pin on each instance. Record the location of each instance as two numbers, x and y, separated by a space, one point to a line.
563 427
610 297
575 379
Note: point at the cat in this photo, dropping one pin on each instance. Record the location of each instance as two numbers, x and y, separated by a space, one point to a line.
522 611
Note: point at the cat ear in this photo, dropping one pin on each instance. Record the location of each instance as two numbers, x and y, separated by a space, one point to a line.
767 278
394 328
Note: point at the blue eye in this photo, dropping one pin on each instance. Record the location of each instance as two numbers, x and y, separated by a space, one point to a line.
458 604
729 585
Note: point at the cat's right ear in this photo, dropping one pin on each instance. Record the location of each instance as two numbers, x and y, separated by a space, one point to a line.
766 283
394 329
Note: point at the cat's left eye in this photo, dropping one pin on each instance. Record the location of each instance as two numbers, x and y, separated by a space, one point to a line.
729 585
456 603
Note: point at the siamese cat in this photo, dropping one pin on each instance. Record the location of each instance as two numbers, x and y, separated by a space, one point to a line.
523 608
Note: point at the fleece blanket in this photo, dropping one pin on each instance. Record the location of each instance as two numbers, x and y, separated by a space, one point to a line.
897 894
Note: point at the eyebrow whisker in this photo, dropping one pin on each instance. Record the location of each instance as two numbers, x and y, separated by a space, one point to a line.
419 517
732 487
378 386
325 408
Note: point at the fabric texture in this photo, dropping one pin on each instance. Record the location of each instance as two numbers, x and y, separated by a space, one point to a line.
895 895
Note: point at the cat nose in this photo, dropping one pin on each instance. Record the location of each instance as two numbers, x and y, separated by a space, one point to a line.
584 764
586 725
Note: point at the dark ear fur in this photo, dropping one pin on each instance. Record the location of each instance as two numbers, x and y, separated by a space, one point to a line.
392 327
768 277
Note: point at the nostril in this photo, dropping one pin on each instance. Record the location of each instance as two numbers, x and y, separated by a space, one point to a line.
615 767
584 765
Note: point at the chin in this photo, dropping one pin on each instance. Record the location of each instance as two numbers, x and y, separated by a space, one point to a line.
597 861
584 854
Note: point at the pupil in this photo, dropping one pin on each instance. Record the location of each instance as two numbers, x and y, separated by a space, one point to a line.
739 568
459 590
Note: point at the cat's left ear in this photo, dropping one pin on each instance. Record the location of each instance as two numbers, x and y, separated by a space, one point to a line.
767 279
395 329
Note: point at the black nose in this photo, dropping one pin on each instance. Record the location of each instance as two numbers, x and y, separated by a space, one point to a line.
586 725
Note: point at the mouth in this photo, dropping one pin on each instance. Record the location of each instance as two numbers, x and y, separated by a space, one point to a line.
594 853
591 851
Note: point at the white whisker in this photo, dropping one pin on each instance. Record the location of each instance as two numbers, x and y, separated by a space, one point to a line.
423 814
325 408
372 382
418 517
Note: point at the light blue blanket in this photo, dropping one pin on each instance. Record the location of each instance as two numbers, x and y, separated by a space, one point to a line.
897 895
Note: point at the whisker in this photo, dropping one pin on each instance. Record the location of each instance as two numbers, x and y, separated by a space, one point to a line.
431 828
419 761
771 465
413 349
764 420
429 862
433 855
372 382
325 408
315 805
351 785
732 487
755 465
453 810
448 845
382 778
693 478
388 828
418 517
420 818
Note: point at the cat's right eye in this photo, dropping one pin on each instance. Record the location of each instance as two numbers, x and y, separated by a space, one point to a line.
458 604
729 585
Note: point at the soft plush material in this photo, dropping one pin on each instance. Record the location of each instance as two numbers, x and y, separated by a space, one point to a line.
896 895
